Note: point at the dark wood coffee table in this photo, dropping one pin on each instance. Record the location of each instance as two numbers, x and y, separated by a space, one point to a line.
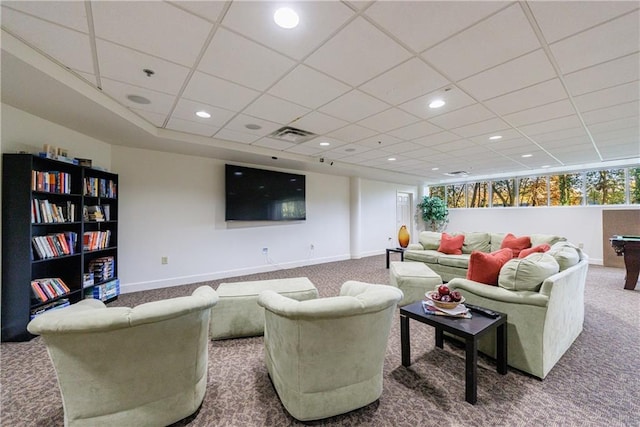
468 329
398 250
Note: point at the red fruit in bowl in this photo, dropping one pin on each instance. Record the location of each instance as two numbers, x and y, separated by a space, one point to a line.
435 296
455 296
443 290
445 298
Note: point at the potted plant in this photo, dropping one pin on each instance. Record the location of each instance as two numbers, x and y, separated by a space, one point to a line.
434 213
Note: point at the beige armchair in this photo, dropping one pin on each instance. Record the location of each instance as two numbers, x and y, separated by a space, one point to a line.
118 366
325 356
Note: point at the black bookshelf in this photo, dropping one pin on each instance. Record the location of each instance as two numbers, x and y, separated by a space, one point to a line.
22 260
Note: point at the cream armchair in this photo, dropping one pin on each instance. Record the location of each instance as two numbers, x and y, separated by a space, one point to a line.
325 356
118 366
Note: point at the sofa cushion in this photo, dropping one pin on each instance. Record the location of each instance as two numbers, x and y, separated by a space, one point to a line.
476 241
516 244
527 274
429 239
428 256
451 245
459 261
549 239
485 267
565 254
540 248
496 241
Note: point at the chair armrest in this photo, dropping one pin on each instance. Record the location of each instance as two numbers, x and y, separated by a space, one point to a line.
497 293
415 247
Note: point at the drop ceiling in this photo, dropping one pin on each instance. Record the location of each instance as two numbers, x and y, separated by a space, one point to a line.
558 81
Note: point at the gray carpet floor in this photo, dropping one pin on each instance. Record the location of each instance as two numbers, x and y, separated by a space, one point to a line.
596 383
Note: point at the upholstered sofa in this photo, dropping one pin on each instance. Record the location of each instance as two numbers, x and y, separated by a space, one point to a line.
325 356
451 266
543 297
120 366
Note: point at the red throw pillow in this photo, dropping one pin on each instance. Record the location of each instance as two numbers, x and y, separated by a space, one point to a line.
540 248
485 267
516 244
451 245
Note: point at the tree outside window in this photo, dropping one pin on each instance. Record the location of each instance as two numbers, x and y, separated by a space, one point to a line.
605 187
504 192
532 191
478 194
566 190
455 196
634 186
437 192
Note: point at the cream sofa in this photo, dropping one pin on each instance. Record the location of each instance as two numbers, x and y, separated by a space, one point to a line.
325 356
451 266
119 366
543 297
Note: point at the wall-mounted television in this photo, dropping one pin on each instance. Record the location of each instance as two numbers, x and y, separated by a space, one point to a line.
263 195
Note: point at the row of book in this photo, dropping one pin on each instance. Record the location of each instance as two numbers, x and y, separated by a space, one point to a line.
100 187
97 213
55 245
103 268
106 291
54 305
49 288
52 182
45 212
93 240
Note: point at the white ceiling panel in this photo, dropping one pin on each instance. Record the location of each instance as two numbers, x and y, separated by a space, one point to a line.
276 110
275 144
186 110
388 120
612 73
240 122
454 98
243 61
436 139
308 87
160 102
155 119
519 73
464 116
319 123
189 126
349 57
209 10
484 45
539 114
608 97
629 123
156 28
232 135
561 134
352 133
493 126
551 125
529 97
380 141
405 82
613 39
354 106
70 14
402 148
415 130
221 93
629 109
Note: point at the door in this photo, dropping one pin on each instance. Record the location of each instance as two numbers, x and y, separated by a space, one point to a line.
403 213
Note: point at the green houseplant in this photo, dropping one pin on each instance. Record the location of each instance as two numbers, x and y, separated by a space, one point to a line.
434 213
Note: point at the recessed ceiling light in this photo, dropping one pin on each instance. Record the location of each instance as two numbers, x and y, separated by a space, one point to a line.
325 144
495 137
286 18
437 103
391 159
527 155
435 169
138 99
203 114
253 126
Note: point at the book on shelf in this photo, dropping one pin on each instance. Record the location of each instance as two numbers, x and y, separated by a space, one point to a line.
100 187
106 291
93 240
45 212
55 245
51 182
103 268
49 288
95 213
61 303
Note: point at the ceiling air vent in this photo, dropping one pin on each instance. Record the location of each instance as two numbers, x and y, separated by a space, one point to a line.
294 135
457 173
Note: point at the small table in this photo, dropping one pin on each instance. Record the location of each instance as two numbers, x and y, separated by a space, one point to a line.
468 329
398 250
629 246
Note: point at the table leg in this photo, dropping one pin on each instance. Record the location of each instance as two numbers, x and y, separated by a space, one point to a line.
439 337
405 344
632 266
501 349
471 371
388 257
402 256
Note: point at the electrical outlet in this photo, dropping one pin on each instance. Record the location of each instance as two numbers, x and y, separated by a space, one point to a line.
312 247
164 260
265 251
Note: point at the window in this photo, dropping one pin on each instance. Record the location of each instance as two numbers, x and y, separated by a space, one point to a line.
504 192
455 196
437 192
532 191
566 190
478 194
606 187
634 186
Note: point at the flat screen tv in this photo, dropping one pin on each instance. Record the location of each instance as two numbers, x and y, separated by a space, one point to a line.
263 195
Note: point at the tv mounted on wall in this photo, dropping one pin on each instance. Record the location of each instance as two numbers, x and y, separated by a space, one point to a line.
263 195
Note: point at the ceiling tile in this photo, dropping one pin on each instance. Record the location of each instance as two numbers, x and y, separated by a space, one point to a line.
189 126
506 135
623 125
404 82
388 120
561 134
354 106
539 114
464 116
612 73
524 71
352 133
70 14
242 61
406 20
604 42
68 47
416 130
276 110
318 20
493 126
318 123
155 28
186 110
551 15
155 119
608 97
567 142
551 125
221 93
380 141
126 65
484 45
629 109
529 97
239 123
401 147
357 53
275 144
305 150
308 87
232 135
160 102
436 139
209 10
454 98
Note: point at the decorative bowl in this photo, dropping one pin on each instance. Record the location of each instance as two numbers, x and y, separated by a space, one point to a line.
442 304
